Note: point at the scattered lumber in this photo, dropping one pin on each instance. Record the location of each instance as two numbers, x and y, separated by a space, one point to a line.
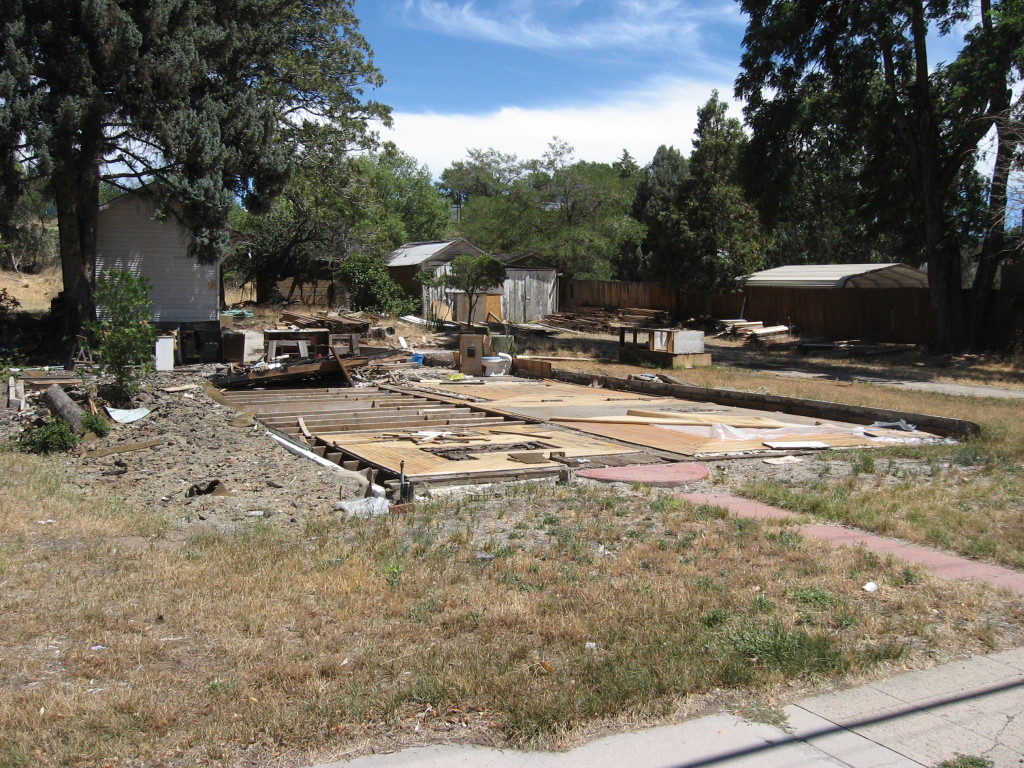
333 321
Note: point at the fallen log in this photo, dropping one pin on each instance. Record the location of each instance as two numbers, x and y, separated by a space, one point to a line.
64 407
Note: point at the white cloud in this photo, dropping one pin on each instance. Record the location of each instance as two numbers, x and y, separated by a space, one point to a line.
640 120
628 24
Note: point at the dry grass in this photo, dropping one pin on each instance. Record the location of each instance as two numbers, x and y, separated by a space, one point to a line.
34 292
965 497
469 619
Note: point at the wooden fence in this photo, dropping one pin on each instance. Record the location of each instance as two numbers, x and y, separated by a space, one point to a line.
875 314
872 314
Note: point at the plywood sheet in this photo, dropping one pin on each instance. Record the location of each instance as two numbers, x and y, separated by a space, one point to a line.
691 445
506 391
389 452
691 419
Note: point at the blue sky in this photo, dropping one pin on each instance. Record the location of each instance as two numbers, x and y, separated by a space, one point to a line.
603 75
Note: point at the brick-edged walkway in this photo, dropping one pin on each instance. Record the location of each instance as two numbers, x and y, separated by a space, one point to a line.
942 565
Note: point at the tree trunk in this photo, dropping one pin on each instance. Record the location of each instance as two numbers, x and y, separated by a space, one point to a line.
944 281
76 191
266 288
64 407
992 248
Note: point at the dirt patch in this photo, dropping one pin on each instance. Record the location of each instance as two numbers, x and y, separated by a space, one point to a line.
195 445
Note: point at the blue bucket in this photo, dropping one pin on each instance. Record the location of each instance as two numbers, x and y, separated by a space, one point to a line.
418 359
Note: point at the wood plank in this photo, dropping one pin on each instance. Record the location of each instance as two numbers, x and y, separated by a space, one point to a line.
419 463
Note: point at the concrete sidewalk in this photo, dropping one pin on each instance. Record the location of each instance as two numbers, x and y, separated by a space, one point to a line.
971 707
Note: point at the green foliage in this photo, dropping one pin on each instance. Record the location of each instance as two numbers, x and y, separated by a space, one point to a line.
701 231
474 275
371 288
96 424
402 204
8 304
123 336
29 240
773 646
333 208
53 437
214 100
657 193
966 761
572 214
715 234
851 92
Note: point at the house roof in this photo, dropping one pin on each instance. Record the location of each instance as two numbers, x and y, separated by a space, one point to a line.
840 276
413 254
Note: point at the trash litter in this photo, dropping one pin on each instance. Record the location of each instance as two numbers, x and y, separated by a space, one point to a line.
783 460
50 521
870 587
122 416
213 488
591 646
901 425
359 509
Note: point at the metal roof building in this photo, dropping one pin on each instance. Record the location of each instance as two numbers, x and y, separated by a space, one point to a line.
440 251
839 276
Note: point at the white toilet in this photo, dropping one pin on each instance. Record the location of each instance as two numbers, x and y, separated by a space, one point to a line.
497 365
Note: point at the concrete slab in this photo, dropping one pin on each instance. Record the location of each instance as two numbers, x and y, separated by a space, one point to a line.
1012 658
854 705
925 738
659 475
846 746
949 680
718 740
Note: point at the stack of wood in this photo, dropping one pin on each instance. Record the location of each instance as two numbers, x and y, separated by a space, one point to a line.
643 318
335 322
755 331
601 320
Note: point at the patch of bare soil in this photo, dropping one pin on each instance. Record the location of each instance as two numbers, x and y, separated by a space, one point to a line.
191 443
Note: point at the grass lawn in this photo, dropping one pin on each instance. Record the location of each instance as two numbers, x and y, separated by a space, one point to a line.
529 615
965 497
523 615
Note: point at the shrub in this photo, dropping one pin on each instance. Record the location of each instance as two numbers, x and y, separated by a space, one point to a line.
96 424
52 437
124 335
7 305
371 288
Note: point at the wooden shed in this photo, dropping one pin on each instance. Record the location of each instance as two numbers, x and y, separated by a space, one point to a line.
528 292
131 239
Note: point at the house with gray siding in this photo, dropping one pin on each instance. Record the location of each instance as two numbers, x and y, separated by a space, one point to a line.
131 239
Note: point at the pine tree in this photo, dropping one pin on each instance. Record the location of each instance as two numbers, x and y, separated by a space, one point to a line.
210 98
